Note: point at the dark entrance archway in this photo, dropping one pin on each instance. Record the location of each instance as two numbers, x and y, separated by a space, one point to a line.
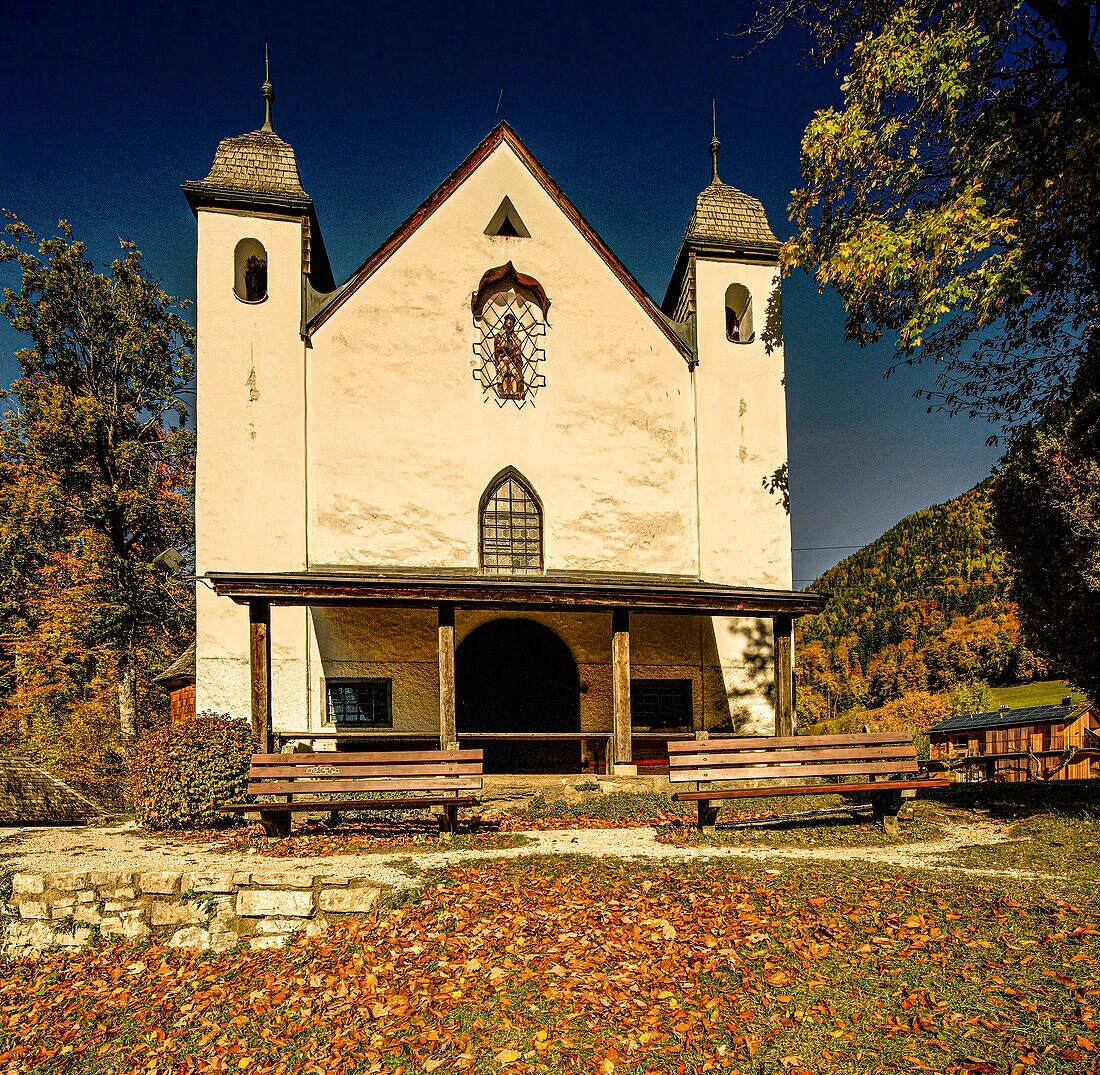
515 675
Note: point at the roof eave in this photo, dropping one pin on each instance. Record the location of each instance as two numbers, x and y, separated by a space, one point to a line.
203 195
643 594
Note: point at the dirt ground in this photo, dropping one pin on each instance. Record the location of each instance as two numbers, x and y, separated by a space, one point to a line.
122 846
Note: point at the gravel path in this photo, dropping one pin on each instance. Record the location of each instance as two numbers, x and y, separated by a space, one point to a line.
123 847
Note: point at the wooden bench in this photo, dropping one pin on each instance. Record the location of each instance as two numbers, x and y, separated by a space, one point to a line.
434 777
884 764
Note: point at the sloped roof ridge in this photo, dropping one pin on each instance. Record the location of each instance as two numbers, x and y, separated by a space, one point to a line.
502 132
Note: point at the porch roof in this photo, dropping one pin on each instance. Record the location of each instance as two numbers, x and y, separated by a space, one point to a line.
594 591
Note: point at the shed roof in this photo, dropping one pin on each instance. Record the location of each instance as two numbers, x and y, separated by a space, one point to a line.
642 593
31 796
183 667
1007 718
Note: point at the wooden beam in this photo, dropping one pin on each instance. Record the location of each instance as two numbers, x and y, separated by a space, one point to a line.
653 594
448 734
783 633
259 659
620 684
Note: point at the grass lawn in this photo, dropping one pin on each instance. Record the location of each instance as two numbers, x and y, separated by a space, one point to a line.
539 964
1041 692
1063 846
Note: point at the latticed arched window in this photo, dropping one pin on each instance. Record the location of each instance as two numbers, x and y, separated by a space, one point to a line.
511 526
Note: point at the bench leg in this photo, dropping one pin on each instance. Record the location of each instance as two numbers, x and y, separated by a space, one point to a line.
448 822
708 815
886 807
276 824
333 819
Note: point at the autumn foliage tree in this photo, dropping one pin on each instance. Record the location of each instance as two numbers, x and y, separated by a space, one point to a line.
953 202
1047 503
96 477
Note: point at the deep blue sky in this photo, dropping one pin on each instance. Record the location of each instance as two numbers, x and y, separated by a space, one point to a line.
109 107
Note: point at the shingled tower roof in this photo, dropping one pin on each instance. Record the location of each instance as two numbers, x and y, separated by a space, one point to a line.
726 216
726 223
257 169
258 161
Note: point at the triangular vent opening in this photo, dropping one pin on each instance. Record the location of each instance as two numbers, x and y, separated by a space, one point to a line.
506 221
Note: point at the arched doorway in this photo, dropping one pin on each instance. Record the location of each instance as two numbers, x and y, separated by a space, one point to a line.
514 675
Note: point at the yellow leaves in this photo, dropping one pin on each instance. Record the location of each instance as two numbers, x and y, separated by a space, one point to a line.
508 1056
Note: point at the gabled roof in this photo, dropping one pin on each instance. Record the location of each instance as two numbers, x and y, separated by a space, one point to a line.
1009 718
324 306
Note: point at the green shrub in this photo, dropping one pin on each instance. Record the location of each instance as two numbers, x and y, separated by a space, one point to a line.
181 774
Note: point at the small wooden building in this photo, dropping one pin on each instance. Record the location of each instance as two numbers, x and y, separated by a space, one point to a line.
1047 742
179 680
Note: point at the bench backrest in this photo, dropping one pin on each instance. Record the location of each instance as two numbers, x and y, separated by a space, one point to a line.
383 770
793 757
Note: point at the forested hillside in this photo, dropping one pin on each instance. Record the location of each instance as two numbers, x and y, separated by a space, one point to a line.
923 608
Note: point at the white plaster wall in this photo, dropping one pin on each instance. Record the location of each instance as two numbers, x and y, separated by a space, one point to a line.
250 469
744 531
403 440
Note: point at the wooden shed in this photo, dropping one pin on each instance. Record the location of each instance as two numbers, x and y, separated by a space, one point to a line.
1047 742
179 680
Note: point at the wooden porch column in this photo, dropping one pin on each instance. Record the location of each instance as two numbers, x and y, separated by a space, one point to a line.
783 634
448 736
259 661
620 684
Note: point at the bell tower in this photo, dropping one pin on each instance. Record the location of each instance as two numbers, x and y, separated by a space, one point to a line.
726 288
259 251
727 282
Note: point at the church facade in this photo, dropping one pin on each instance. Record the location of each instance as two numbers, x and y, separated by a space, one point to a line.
486 490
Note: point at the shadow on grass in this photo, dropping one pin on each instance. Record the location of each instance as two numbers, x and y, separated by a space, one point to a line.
1014 801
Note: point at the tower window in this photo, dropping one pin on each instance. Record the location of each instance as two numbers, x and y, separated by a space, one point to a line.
511 527
250 271
739 327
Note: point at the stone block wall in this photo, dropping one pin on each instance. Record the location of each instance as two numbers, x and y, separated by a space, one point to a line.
212 911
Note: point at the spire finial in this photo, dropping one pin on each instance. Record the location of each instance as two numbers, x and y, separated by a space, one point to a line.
715 145
268 92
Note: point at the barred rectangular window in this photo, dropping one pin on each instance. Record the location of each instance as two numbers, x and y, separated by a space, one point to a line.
661 703
360 703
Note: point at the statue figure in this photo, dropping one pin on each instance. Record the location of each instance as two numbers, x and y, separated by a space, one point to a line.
255 279
508 359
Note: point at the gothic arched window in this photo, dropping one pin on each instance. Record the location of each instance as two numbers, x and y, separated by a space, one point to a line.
511 526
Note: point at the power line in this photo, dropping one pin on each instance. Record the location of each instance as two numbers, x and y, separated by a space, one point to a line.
824 548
